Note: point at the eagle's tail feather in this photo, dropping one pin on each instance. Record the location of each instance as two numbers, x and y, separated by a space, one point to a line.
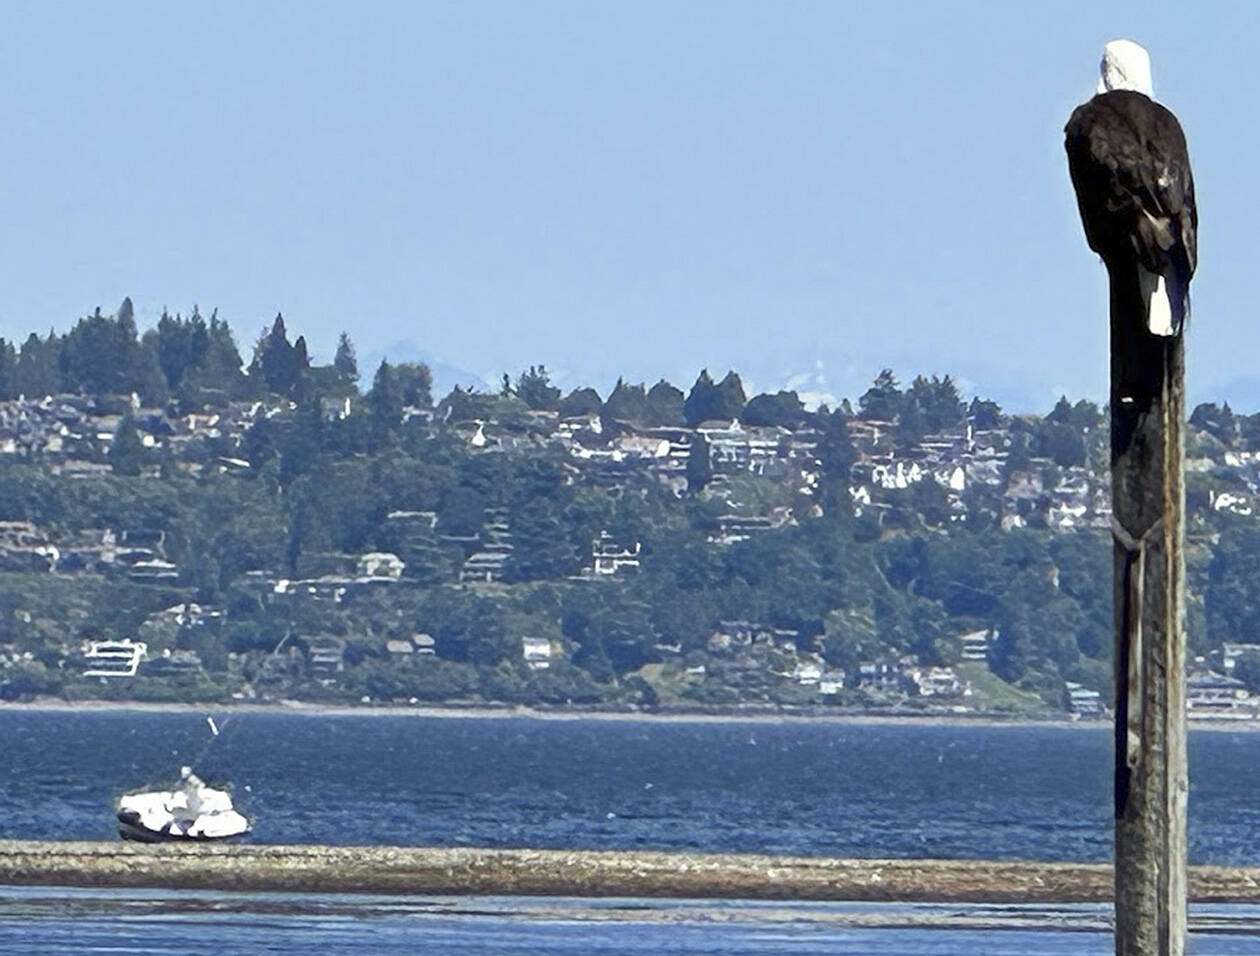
1167 302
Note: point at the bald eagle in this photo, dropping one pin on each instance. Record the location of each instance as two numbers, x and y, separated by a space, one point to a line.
1131 171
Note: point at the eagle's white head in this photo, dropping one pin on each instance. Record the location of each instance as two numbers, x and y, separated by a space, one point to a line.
1126 66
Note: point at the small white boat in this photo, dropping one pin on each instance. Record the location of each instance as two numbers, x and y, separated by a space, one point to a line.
191 811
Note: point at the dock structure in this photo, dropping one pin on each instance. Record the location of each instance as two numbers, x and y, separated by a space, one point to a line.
422 871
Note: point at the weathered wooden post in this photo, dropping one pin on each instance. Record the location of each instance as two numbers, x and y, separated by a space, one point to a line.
1131 171
1148 496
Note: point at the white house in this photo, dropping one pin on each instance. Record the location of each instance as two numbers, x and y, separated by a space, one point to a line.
537 652
114 658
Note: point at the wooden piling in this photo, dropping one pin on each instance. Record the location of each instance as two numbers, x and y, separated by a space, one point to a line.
1148 503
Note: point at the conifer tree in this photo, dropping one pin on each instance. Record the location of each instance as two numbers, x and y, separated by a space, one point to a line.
8 369
664 405
626 403
276 361
37 371
534 388
127 452
345 361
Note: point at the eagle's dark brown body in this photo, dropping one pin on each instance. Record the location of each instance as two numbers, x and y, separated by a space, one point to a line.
1129 165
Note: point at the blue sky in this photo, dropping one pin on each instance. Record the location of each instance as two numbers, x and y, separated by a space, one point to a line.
641 188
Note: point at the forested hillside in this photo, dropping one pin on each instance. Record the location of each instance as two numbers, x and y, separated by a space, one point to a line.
278 528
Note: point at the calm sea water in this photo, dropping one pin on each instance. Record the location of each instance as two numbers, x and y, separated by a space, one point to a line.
869 790
39 920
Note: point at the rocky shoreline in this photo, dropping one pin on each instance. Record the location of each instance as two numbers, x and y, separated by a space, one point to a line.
439 871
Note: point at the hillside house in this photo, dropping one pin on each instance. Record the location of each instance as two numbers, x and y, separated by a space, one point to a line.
380 566
537 652
831 682
483 566
609 559
882 676
325 657
25 548
113 658
1225 658
735 634
975 644
807 673
733 527
936 682
172 663
425 644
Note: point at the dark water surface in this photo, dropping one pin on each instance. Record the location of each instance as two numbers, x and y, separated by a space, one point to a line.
862 790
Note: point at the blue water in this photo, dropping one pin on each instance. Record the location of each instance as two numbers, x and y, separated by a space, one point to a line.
863 790
40 920
868 790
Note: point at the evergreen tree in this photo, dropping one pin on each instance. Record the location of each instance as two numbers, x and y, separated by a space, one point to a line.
731 397
708 401
219 368
276 361
626 402
301 360
580 401
180 345
102 355
385 403
127 454
699 465
912 425
147 380
415 384
783 409
837 456
984 414
534 388
37 372
664 405
344 361
8 370
1218 421
937 401
701 400
542 547
1232 599
883 401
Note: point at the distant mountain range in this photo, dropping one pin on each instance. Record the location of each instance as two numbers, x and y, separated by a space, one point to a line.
445 375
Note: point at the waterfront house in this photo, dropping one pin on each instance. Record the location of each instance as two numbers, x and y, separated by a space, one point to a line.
325 658
1214 696
831 682
936 682
1085 703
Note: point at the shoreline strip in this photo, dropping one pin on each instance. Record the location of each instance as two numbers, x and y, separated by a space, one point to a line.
580 873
